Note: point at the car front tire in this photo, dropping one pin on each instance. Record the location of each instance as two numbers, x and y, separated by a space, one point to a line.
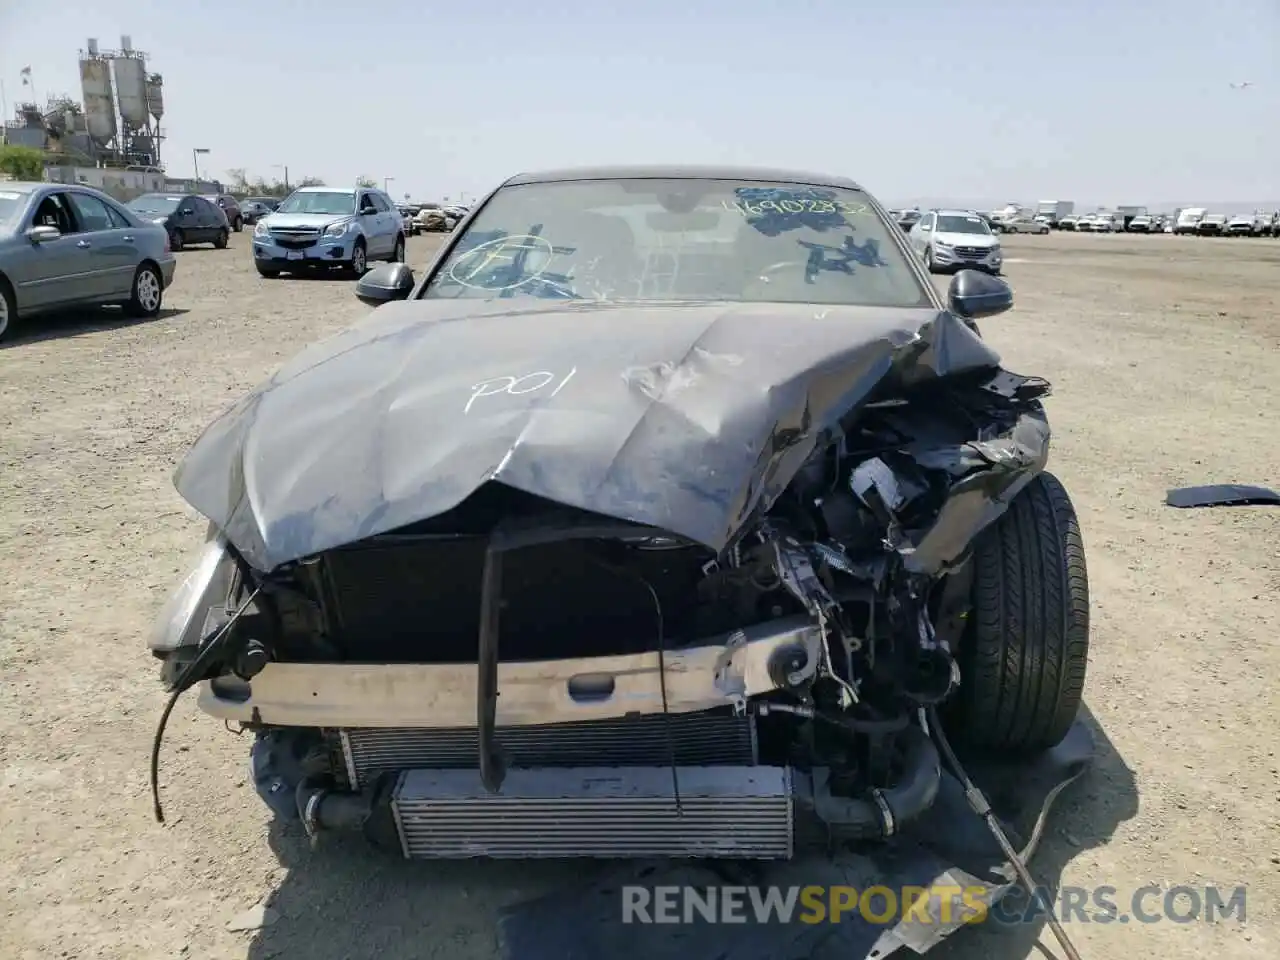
237 225
359 259
1025 652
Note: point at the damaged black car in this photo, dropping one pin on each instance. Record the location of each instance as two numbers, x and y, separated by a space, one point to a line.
671 512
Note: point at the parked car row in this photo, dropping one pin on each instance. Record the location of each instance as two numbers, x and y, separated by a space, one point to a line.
908 219
1192 222
65 245
1094 223
1241 225
426 216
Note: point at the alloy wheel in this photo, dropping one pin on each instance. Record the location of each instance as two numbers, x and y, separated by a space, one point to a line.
147 290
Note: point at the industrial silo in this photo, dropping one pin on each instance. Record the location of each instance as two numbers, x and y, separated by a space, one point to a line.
131 92
99 102
155 96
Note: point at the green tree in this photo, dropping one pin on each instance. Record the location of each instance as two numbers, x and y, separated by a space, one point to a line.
366 182
259 187
21 163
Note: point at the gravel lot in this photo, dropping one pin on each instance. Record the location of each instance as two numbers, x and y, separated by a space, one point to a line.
1165 356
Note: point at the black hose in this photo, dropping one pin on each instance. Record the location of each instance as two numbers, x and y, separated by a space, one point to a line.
884 811
322 809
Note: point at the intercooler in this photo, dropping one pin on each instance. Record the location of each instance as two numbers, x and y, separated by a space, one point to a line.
600 788
619 812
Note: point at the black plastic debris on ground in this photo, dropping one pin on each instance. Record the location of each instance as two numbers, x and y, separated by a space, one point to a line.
950 846
1222 495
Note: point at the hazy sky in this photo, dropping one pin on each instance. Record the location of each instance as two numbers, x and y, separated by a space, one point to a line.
1109 101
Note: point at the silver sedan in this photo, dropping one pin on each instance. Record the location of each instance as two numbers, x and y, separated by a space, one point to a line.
64 246
1023 225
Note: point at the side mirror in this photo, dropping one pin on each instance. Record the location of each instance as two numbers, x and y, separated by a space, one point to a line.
974 294
43 234
368 211
387 281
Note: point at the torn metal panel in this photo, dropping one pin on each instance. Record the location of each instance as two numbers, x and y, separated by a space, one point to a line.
989 474
691 418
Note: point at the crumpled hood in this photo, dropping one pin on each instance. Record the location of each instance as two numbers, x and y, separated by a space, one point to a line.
683 417
316 220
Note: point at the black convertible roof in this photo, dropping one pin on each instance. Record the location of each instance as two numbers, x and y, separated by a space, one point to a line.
683 172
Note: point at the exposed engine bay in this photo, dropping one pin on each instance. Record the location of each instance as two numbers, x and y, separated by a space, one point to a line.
603 688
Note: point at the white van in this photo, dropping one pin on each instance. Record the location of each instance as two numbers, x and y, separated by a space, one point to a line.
1188 220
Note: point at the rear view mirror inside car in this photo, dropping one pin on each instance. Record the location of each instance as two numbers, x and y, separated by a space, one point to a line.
665 222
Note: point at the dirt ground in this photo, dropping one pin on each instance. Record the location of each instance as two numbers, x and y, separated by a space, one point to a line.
1165 357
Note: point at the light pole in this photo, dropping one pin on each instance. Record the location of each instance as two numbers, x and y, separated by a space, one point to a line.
385 181
195 162
285 168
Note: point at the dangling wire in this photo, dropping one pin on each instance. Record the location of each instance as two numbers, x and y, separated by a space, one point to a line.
982 807
184 682
662 672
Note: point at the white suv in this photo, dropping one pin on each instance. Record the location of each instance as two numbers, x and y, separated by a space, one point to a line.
325 227
954 239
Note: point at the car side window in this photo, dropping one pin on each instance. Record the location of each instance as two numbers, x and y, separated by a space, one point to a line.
54 212
91 213
118 220
366 201
926 222
381 203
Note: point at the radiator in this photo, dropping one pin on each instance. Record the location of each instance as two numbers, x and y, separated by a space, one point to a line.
696 739
725 812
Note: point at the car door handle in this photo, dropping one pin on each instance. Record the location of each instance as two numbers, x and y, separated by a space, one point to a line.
127 239
84 244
